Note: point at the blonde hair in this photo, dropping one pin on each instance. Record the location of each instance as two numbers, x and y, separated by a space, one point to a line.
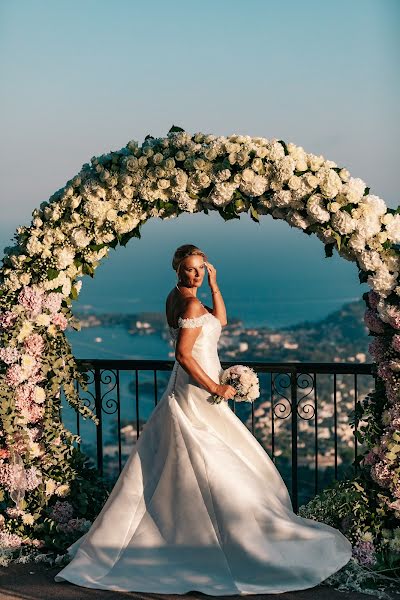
182 252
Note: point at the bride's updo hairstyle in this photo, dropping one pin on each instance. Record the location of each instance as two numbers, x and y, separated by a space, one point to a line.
184 251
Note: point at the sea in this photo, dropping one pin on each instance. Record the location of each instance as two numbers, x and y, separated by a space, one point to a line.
270 274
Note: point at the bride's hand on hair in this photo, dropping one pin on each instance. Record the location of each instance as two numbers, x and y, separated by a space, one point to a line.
212 274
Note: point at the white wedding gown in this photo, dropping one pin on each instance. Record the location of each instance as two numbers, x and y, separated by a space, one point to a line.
200 506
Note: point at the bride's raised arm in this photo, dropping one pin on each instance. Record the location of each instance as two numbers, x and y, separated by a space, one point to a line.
219 309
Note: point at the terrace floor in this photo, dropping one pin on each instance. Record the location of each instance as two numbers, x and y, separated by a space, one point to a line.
34 581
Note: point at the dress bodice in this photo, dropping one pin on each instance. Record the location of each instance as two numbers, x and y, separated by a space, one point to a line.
205 346
202 320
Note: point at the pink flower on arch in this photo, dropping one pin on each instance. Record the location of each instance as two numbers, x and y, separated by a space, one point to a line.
34 344
7 319
52 301
15 375
31 299
60 320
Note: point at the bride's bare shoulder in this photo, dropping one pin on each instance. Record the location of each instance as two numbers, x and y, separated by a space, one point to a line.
193 308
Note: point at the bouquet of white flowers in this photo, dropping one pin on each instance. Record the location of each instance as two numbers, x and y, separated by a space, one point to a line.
243 379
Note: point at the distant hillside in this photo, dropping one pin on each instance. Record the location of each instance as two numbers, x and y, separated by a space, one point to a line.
340 337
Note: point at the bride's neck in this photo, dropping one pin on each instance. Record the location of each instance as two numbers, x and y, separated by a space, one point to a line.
192 291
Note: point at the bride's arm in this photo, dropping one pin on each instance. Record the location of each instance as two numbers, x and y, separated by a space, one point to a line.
218 309
184 345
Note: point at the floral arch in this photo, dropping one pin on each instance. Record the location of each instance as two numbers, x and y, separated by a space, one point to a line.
45 484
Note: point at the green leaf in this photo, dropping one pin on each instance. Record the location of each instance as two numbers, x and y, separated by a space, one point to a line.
254 214
338 238
175 128
284 146
52 273
88 269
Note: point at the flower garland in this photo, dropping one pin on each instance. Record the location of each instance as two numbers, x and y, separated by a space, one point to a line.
106 204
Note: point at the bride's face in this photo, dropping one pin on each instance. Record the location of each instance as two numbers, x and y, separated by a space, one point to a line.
191 271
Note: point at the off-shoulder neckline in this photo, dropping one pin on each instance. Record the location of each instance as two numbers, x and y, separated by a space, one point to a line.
191 318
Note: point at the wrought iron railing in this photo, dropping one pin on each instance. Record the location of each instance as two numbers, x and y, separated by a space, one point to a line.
282 431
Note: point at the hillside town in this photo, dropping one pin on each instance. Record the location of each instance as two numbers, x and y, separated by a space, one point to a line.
339 338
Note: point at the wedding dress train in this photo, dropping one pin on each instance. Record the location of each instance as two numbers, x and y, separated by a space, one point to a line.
200 506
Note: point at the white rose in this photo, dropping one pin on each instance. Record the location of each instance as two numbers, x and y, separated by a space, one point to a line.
199 163
316 209
383 282
39 394
301 165
132 163
387 218
48 238
382 237
334 207
294 218
71 271
357 242
248 175
330 183
75 219
79 237
28 519
367 536
275 150
111 215
142 161
158 158
43 319
282 198
343 222
294 182
232 157
310 180
33 246
62 490
344 175
354 189
64 257
170 163
28 362
315 162
257 165
127 191
393 229
163 184
370 260
126 223
36 450
26 329
73 202
180 156
50 487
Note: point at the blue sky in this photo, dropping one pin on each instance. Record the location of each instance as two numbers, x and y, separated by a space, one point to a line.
82 77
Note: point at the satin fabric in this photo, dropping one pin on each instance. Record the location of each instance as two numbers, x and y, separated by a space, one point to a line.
200 506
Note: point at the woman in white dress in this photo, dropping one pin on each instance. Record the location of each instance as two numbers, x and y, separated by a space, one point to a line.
199 504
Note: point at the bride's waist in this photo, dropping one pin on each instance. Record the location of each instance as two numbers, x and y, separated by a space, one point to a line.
211 365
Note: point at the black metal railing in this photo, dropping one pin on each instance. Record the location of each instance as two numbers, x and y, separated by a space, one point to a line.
283 430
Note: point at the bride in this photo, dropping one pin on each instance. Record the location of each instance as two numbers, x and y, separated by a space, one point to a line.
199 504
